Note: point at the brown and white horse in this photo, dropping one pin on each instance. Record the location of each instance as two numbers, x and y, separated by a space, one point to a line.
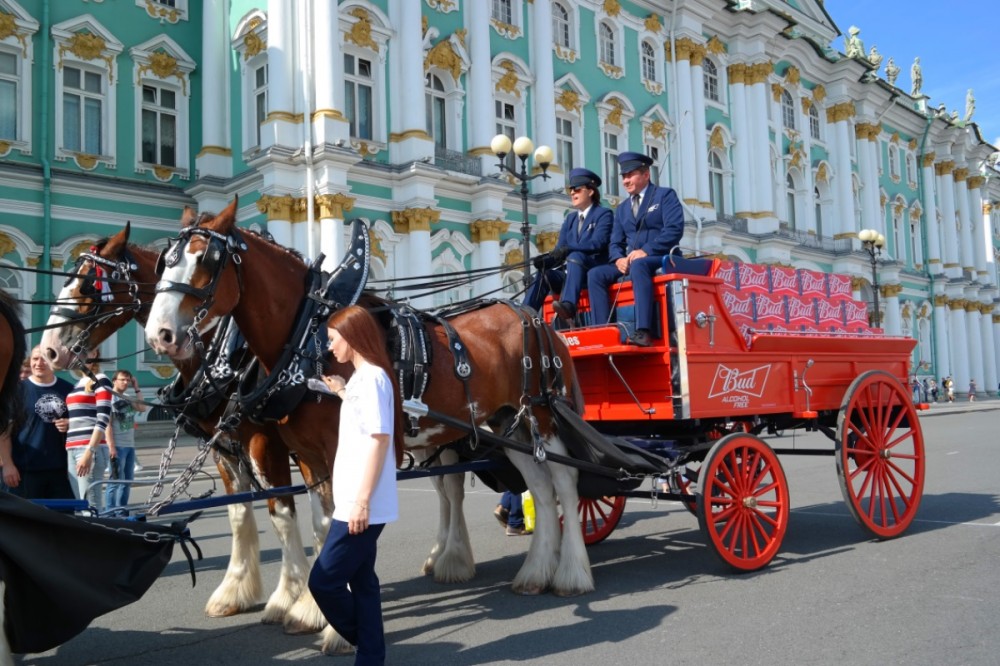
263 286
129 296
12 350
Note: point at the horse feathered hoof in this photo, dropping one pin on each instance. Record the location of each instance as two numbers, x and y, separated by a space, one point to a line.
335 645
529 590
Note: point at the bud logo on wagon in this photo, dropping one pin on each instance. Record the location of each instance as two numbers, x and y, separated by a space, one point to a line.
736 386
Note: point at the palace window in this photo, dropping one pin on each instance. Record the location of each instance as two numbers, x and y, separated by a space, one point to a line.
437 105
608 45
611 150
159 126
790 200
503 11
251 36
894 162
787 110
819 213
83 106
915 254
358 96
814 126
653 152
506 123
649 62
9 84
710 75
561 33
565 143
715 183
258 95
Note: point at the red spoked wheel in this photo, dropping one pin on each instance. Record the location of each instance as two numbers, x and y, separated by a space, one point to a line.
683 486
743 504
599 517
880 454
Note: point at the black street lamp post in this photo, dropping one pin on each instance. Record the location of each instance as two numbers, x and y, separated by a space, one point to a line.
872 242
501 147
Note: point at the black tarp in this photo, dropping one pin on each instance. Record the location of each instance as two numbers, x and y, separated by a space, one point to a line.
62 571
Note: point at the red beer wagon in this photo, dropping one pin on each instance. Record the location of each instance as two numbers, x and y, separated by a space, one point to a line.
744 350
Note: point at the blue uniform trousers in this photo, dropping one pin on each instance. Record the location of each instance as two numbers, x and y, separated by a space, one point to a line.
641 272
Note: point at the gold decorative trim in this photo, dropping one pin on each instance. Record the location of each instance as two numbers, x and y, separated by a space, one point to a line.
546 240
5 147
34 261
612 71
927 160
333 205
612 7
505 29
7 244
949 265
159 12
822 175
480 151
509 81
759 72
565 54
857 282
892 290
737 73
254 44
944 168
776 91
164 371
87 46
376 246
276 208
443 6
163 65
819 93
328 113
8 28
488 229
85 161
397 137
840 112
715 45
793 75
360 33
658 129
443 56
848 234
652 23
163 173
414 219
960 175
975 182
760 215
569 100
615 114
221 151
285 116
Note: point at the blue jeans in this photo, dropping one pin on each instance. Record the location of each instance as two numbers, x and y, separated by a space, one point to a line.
515 510
116 494
355 613
83 487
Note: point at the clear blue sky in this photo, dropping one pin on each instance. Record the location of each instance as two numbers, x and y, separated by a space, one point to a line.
955 39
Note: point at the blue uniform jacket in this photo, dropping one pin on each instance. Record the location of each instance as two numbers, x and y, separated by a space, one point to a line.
659 227
593 241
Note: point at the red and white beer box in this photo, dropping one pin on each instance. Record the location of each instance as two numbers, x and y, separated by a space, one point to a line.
839 286
812 283
784 281
830 315
770 310
753 277
728 274
855 312
801 312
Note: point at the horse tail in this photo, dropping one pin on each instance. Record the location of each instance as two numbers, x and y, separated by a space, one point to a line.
10 394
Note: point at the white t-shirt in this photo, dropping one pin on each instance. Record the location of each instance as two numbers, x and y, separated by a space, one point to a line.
367 410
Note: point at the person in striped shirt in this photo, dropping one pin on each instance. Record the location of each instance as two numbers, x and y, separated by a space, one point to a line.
89 442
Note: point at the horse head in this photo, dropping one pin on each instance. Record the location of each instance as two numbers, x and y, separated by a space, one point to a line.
101 294
200 282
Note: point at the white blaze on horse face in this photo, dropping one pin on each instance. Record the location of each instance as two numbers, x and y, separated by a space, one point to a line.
56 337
167 326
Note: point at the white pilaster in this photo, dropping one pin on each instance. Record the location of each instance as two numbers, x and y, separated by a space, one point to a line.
959 343
892 322
842 180
988 345
544 96
942 365
949 233
973 318
867 150
932 229
215 157
966 255
760 156
688 186
481 126
328 120
280 128
742 176
698 127
409 140
977 220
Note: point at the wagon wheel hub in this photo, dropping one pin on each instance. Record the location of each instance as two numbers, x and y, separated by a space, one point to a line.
750 502
885 454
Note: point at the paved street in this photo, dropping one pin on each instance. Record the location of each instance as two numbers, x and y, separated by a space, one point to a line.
831 595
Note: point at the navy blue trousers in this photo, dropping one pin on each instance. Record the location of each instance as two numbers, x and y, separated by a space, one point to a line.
355 613
641 272
567 282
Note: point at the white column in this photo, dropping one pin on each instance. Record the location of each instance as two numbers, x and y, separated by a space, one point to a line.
688 186
996 351
867 147
742 173
331 215
216 155
989 349
966 255
949 233
409 138
942 364
842 180
973 317
329 122
977 220
480 97
544 96
486 235
932 229
809 223
959 343
763 182
698 126
892 322
279 128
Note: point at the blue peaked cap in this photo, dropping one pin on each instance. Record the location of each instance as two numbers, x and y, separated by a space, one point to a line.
581 177
630 161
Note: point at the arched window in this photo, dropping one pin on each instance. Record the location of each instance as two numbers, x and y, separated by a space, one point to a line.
819 213
608 46
565 143
437 117
648 62
787 110
814 122
790 199
894 162
560 25
711 79
503 11
715 183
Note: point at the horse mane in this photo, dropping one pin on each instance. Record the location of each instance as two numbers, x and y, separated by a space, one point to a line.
11 399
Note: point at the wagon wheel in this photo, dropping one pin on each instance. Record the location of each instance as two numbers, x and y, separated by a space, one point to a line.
599 517
880 454
743 503
681 485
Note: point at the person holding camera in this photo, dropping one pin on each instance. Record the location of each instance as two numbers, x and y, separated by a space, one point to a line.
582 244
123 411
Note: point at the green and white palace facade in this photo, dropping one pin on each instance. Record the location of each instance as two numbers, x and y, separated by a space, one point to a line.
313 112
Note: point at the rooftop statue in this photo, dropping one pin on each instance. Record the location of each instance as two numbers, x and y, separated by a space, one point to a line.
875 58
916 77
855 47
891 72
970 105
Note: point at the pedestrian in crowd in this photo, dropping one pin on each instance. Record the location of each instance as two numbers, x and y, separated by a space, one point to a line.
510 514
25 369
370 447
648 225
89 441
934 390
972 390
582 245
949 387
123 411
926 388
34 457
915 386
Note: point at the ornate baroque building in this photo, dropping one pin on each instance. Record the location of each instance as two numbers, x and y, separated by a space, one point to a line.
314 111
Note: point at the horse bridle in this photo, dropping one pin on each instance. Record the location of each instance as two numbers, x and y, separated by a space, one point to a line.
221 249
118 272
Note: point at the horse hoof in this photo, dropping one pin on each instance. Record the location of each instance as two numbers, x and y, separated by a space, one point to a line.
528 590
